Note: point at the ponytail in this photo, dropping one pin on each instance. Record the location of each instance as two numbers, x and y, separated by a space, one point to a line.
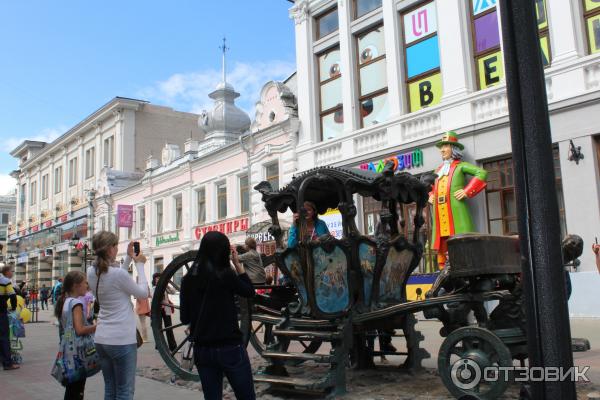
58 307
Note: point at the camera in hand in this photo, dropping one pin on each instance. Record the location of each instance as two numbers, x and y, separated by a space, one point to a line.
136 248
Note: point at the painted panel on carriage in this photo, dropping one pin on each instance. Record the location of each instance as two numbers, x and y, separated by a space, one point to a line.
367 253
593 27
330 280
422 57
292 262
426 92
420 23
393 274
491 70
545 50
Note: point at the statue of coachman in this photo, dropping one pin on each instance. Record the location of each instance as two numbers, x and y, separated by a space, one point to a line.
450 214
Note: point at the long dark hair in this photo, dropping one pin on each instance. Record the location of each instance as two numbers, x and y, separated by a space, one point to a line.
71 279
213 255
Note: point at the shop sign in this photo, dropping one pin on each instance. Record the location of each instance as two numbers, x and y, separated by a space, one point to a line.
35 228
227 227
401 162
420 23
160 240
62 247
333 219
124 216
22 258
262 237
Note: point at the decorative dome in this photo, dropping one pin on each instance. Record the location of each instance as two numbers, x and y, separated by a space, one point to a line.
225 118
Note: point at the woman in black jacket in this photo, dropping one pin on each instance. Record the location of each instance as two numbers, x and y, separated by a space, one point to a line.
208 307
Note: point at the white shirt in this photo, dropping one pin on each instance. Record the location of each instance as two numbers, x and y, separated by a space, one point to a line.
68 305
116 320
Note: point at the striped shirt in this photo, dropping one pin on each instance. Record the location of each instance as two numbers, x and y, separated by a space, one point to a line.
7 292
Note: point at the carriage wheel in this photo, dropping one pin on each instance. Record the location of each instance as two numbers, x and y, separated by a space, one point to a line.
463 357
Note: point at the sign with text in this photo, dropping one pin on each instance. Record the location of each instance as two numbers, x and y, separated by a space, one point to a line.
401 162
333 219
227 227
425 92
124 216
491 70
420 23
166 239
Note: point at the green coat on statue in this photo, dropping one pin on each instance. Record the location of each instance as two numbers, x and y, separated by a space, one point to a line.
459 215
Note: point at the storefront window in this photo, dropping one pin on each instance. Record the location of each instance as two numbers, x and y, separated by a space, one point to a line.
486 43
158 264
372 77
244 194
272 175
330 83
201 206
422 55
542 21
159 216
362 7
591 14
178 211
327 23
501 201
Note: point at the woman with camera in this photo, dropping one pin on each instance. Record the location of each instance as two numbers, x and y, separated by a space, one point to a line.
115 336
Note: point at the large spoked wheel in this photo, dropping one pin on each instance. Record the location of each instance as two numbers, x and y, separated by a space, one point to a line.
172 341
463 358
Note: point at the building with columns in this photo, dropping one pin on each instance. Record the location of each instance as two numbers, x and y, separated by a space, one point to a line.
58 181
194 186
385 78
8 205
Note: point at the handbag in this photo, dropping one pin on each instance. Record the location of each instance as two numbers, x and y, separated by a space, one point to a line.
17 328
139 341
77 357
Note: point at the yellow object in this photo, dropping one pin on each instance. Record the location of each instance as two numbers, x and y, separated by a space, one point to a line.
21 310
444 215
591 5
25 315
593 27
545 50
411 291
425 92
491 70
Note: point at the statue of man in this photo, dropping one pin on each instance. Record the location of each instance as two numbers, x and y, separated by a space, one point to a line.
450 214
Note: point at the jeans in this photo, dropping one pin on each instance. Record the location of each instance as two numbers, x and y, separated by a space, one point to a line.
231 361
118 364
5 356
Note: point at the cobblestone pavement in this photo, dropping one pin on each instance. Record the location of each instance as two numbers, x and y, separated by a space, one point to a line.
155 381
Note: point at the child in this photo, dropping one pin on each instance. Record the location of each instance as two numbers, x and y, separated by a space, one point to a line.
74 285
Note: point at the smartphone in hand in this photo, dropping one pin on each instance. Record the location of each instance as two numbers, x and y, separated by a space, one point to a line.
136 248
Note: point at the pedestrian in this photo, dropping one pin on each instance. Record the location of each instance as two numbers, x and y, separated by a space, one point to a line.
207 302
7 294
253 262
596 250
56 290
74 287
165 312
44 294
115 337
34 298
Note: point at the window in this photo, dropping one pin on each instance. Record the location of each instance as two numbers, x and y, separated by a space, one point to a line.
178 211
73 171
272 175
201 206
362 7
22 195
103 223
32 193
44 187
5 217
58 179
422 55
244 194
486 43
372 77
108 151
591 14
221 200
542 20
159 216
501 201
327 23
90 162
141 219
158 264
330 85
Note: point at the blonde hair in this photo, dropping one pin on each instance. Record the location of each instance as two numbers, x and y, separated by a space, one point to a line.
101 242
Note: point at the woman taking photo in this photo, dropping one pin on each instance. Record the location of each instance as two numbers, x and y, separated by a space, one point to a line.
116 332
208 307
313 228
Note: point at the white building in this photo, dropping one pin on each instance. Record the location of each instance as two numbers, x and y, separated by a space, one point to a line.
8 205
57 182
381 78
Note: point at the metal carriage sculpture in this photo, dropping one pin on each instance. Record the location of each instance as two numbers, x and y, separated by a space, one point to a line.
350 291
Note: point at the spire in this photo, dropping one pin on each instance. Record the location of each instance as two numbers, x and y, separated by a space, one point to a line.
224 49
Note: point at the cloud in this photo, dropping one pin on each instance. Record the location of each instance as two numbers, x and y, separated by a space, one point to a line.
45 135
7 184
189 91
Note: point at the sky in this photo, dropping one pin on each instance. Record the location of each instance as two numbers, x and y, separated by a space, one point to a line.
62 60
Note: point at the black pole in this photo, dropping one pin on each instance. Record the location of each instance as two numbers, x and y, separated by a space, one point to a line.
548 329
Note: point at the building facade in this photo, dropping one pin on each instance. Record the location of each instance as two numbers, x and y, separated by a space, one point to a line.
197 186
57 182
385 78
8 206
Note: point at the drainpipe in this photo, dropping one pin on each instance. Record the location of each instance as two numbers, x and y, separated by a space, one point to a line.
246 149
